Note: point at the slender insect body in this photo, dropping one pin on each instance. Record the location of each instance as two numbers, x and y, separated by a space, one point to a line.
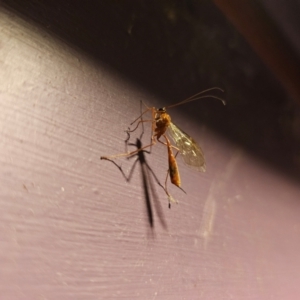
173 167
161 122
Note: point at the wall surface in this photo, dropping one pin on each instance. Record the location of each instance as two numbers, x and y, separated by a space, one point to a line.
72 227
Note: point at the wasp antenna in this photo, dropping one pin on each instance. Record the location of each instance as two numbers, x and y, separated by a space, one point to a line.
197 98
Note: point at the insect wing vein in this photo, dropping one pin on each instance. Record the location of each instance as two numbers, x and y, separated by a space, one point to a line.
191 153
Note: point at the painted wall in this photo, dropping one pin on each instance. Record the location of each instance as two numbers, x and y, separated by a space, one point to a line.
72 227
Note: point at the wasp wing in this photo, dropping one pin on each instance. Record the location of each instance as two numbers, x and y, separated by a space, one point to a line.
191 153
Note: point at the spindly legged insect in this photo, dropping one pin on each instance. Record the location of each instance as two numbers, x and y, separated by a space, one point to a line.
161 124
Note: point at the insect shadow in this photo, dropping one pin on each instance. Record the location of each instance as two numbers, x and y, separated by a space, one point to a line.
147 180
161 125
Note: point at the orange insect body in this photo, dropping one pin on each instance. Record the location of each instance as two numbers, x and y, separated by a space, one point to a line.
161 122
173 167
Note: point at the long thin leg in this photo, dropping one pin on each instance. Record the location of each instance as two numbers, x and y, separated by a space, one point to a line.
141 107
173 147
140 116
137 125
126 154
127 178
141 121
144 121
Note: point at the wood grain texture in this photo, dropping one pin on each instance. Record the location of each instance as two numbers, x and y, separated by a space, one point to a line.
71 227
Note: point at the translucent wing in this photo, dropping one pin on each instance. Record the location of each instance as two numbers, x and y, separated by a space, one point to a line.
191 153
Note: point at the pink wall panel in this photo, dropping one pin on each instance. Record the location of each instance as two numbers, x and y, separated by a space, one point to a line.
71 227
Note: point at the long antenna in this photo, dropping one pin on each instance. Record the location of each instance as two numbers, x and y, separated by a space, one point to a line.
197 97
